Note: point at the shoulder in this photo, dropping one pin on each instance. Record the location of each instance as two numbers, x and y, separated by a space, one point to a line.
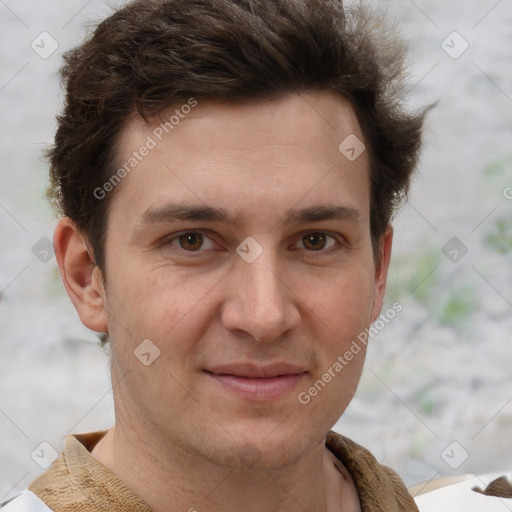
27 501
472 494
58 484
379 487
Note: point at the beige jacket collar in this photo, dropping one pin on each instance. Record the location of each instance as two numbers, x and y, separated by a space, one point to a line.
77 482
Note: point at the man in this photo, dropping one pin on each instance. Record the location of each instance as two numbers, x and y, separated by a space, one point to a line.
226 172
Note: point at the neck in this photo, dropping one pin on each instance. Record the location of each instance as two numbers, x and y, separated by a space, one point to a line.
168 478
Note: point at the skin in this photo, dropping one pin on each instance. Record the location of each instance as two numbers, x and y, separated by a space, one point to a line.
302 301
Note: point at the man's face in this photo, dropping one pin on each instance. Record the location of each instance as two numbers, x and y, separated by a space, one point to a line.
243 325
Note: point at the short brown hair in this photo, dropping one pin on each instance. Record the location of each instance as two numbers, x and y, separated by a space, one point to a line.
152 54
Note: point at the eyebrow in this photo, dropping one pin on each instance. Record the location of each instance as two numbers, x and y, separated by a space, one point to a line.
322 212
173 212
170 212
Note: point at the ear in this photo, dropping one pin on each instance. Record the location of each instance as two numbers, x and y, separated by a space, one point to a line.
80 275
381 271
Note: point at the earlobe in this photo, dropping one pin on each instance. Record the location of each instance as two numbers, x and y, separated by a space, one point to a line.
80 275
381 271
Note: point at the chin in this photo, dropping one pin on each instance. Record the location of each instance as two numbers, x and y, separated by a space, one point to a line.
258 451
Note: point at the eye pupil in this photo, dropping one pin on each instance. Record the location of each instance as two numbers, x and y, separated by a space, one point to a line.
315 241
191 241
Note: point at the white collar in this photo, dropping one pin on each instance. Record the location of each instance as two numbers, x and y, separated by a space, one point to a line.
461 498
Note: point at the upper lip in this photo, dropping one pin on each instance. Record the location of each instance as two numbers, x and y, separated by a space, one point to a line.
255 371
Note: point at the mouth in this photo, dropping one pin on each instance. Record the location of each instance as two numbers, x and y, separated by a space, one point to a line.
258 383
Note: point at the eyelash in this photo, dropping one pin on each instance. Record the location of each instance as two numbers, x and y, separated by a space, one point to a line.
168 242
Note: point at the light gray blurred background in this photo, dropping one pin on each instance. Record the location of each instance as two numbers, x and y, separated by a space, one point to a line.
436 393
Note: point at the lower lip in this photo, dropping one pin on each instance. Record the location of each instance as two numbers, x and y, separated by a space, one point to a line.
270 388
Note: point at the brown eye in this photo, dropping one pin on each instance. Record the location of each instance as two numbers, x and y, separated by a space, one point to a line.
315 241
191 241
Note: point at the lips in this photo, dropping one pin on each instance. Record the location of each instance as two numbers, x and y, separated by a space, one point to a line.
258 383
254 371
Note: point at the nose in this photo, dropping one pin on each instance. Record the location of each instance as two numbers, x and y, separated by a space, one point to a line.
259 300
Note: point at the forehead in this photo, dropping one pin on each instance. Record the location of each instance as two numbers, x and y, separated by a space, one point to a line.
265 155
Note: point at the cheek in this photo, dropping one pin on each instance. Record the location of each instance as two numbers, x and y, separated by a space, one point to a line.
330 390
163 305
343 303
156 294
